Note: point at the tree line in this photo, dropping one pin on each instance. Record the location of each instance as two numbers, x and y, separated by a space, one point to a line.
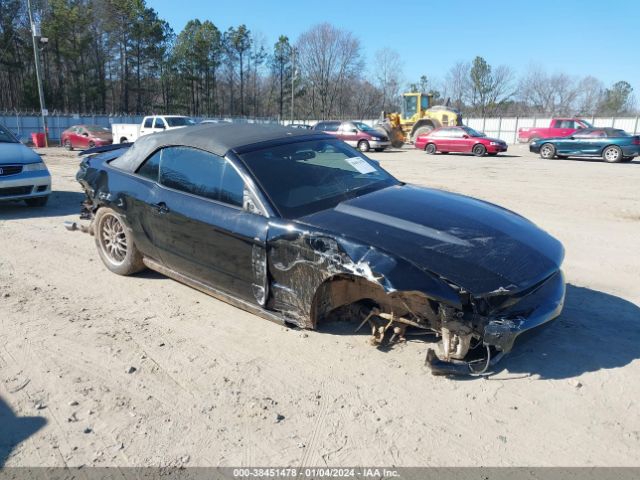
120 57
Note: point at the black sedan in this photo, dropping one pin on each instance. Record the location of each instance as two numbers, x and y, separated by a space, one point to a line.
298 227
611 144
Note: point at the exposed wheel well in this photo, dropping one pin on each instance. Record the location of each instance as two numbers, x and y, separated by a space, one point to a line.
344 289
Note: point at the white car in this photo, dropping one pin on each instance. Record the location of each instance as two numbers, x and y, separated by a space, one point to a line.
129 132
23 174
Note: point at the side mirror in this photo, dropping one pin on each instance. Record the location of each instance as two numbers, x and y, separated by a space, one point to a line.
465 136
85 134
572 137
353 130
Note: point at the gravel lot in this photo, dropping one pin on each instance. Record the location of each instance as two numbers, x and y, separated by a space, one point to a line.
97 369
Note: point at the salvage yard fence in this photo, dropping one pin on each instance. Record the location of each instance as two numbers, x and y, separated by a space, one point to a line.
505 128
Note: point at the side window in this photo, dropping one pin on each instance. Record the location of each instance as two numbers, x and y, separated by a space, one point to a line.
151 166
347 127
332 127
148 122
231 186
201 173
159 123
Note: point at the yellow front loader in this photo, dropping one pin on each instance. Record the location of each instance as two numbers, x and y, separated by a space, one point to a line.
417 117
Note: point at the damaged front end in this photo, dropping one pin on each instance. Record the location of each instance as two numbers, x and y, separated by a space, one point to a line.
316 278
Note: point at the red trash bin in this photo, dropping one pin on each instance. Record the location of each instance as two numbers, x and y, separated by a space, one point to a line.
38 140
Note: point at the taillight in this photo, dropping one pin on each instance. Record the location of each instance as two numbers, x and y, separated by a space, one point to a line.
636 140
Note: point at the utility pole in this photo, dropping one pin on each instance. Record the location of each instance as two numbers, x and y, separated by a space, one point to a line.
293 76
37 38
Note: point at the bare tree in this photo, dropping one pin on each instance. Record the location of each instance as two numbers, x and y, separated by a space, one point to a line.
457 85
550 94
591 94
388 75
328 57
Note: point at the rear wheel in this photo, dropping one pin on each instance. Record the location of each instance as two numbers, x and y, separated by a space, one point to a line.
547 151
420 131
67 144
430 148
363 146
612 154
37 201
479 150
115 243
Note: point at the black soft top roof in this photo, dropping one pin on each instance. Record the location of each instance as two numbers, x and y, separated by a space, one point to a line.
217 138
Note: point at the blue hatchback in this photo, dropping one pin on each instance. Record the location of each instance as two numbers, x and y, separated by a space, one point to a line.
23 174
611 144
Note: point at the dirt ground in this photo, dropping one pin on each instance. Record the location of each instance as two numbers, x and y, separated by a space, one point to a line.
214 385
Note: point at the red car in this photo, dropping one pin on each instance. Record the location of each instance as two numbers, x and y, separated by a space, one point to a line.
459 140
86 136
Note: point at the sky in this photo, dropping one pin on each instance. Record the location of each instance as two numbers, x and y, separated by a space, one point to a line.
588 37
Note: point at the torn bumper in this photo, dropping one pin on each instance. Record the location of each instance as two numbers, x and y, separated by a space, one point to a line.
501 332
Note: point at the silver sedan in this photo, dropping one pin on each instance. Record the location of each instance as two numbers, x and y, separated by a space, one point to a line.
23 174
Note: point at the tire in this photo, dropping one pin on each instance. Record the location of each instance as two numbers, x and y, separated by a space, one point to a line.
479 150
67 145
612 154
547 151
124 140
430 148
37 201
91 144
363 146
420 131
115 243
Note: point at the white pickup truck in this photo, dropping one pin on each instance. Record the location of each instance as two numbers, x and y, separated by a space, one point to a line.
129 132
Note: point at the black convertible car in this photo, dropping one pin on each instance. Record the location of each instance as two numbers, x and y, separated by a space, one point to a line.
298 227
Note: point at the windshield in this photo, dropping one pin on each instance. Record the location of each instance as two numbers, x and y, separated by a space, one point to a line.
363 127
410 106
179 121
473 133
6 136
306 177
97 129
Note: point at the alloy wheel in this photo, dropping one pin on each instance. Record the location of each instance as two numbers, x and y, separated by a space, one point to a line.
113 240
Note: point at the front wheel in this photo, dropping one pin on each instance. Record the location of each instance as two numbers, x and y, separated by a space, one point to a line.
363 146
430 149
115 243
612 154
479 150
547 151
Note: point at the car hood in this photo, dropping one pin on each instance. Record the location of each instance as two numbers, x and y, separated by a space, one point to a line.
11 153
476 245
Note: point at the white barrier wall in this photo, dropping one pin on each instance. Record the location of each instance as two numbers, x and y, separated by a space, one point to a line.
505 128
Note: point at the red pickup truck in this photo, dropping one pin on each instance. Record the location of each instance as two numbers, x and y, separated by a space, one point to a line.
559 127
